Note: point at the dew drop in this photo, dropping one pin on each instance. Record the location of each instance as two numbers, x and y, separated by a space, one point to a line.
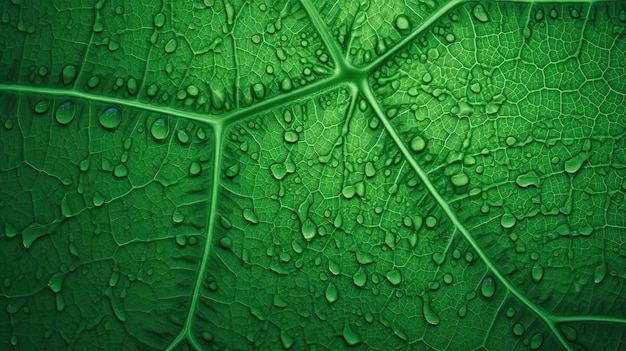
528 179
536 341
183 136
110 119
350 336
403 25
291 136
480 14
69 74
574 164
488 287
42 106
159 129
250 216
171 46
431 317
159 20
360 277
536 272
395 277
195 168
460 179
98 199
120 171
309 229
418 144
508 220
332 293
600 273
65 112
286 340
518 329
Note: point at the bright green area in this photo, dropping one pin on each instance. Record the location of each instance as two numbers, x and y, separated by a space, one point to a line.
312 175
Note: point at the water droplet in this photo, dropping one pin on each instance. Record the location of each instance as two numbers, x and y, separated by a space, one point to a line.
159 20
42 106
69 74
171 46
286 340
480 14
536 272
195 168
360 277
450 38
56 282
600 273
160 129
8 124
528 179
291 136
370 170
418 144
508 220
394 276
232 171
93 82
350 336
332 293
65 112
258 90
110 118
98 199
309 229
183 136
460 179
448 278
510 312
574 164
569 332
429 314
574 13
403 24
518 329
536 341
430 221
488 287
286 85
250 216
554 14
120 171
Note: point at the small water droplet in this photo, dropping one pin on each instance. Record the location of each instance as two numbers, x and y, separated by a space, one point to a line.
403 25
480 14
394 276
360 277
518 329
600 273
250 216
195 168
110 119
69 74
460 179
286 340
528 179
418 144
508 220
309 229
42 106
98 199
159 20
332 293
488 287
160 129
350 336
65 112
536 272
536 341
171 46
120 171
291 136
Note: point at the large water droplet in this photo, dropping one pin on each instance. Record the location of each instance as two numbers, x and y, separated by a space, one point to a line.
350 336
69 74
65 112
286 340
536 341
488 287
110 118
394 277
360 277
418 144
160 129
403 25
171 46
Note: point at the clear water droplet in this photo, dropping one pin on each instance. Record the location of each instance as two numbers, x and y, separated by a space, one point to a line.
350 336
171 46
480 14
332 293
309 229
429 314
394 276
488 287
98 199
68 74
65 112
250 216
42 106
600 273
403 25
160 129
418 144
110 119
536 272
195 168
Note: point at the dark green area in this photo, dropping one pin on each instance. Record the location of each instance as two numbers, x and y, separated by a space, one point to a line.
220 176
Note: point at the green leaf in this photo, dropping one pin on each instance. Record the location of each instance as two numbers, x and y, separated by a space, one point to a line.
313 175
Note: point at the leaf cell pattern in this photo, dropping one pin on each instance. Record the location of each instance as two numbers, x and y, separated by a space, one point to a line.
312 175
